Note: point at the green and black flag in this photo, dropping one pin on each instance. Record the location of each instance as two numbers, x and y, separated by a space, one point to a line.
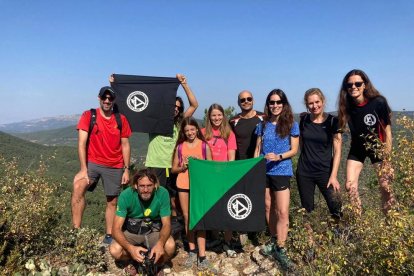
227 195
147 102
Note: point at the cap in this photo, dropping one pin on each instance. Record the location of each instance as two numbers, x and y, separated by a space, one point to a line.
107 89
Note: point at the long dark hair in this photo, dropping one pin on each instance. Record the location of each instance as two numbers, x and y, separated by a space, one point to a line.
345 101
285 120
180 115
181 135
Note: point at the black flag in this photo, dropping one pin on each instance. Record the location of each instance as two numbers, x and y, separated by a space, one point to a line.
147 102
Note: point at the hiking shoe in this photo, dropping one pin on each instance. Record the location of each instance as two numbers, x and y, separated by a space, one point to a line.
191 259
228 248
283 259
268 249
107 240
206 265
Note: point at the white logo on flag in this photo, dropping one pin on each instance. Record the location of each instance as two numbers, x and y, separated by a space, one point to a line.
370 120
137 101
239 206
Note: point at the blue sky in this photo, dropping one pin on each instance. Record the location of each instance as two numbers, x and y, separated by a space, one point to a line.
55 55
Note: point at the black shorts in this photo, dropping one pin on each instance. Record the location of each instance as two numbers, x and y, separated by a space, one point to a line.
360 152
167 179
277 182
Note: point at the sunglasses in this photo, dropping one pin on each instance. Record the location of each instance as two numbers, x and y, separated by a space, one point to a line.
357 84
275 102
103 98
248 99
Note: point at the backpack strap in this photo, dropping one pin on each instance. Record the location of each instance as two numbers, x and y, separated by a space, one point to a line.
118 118
92 121
302 121
204 149
180 153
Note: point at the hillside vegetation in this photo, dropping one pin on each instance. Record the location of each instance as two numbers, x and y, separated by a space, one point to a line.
39 238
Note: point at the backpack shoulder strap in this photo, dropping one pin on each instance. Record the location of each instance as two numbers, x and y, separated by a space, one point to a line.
92 121
118 117
302 121
180 153
204 149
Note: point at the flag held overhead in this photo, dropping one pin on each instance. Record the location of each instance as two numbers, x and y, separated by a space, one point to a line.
227 195
147 102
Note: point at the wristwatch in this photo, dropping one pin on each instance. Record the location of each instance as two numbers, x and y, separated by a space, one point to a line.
281 157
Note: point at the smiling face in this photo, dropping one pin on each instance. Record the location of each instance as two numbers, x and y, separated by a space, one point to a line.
357 93
275 105
245 101
315 104
145 188
216 118
190 132
106 102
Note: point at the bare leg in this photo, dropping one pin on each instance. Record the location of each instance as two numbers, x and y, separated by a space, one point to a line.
282 201
110 212
270 216
184 206
78 201
353 170
385 175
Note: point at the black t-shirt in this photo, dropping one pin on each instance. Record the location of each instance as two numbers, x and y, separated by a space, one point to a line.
245 136
317 145
370 117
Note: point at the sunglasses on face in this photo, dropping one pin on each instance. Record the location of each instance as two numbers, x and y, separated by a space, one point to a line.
248 99
103 98
275 102
357 84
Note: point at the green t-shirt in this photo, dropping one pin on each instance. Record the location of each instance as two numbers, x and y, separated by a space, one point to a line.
129 205
160 150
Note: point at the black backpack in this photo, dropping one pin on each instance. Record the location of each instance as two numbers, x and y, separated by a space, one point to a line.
93 121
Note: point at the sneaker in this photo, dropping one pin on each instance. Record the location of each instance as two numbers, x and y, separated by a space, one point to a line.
268 249
108 239
228 248
191 259
283 259
206 265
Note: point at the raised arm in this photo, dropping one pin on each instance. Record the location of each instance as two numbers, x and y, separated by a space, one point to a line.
190 96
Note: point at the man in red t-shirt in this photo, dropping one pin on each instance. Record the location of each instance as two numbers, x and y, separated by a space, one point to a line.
103 153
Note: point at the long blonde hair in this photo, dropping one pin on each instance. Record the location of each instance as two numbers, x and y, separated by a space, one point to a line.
224 128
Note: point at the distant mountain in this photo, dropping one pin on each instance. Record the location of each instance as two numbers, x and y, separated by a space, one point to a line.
68 136
40 124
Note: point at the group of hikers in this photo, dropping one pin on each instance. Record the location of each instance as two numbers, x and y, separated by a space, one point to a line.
138 218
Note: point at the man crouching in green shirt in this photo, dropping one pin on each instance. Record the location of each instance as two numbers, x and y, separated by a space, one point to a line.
142 221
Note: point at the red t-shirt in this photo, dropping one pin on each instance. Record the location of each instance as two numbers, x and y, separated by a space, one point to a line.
105 140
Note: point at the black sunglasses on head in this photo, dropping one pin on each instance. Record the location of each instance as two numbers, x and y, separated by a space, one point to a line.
351 84
248 99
